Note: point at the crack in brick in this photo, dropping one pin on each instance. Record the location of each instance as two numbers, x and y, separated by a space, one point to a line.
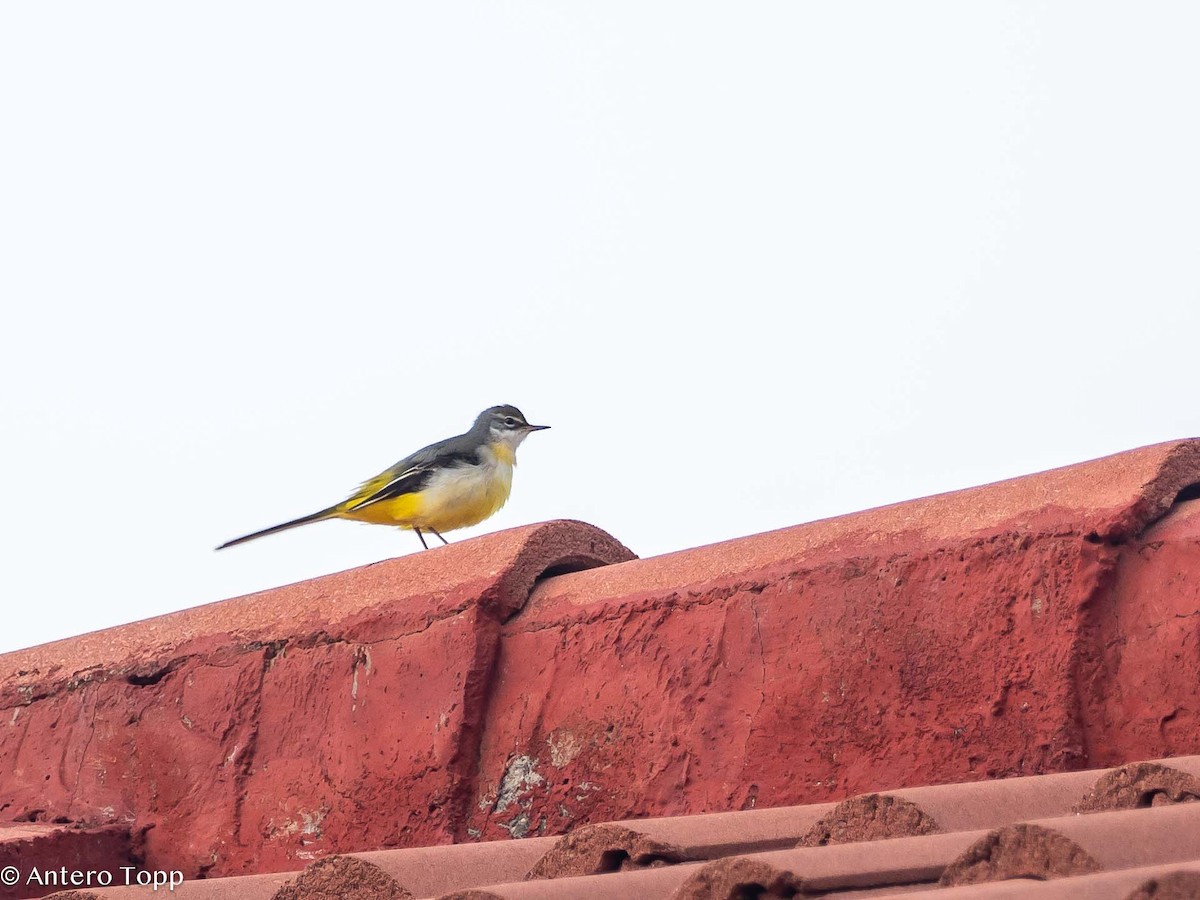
250 752
83 758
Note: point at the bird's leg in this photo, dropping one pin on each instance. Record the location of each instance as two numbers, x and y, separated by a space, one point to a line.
422 537
439 537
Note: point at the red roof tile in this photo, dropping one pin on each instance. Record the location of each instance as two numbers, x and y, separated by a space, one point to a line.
1079 845
909 812
250 735
1060 846
1003 630
946 639
645 843
1170 882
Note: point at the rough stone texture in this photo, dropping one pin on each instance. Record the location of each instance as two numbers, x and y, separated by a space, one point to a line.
51 847
1140 785
869 818
340 877
1148 627
1019 851
952 638
255 734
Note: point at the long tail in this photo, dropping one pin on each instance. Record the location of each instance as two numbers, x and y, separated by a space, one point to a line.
294 523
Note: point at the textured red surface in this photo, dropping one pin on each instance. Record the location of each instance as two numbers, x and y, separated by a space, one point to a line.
1005 630
952 638
258 733
1146 632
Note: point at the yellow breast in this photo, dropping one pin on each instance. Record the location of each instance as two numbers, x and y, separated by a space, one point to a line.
462 498
453 498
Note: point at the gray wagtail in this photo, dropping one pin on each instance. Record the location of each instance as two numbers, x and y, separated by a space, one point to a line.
451 484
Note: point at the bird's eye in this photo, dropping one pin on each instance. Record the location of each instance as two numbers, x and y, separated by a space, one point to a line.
510 421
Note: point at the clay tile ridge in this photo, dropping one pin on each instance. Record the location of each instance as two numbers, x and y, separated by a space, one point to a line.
909 812
1144 784
497 570
1050 848
337 877
865 865
644 843
1080 845
1107 499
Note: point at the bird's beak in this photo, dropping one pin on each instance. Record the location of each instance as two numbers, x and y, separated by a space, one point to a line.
537 427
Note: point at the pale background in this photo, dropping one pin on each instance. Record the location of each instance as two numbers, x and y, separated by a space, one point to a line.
756 264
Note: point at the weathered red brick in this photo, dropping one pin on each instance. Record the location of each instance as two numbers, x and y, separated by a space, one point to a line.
258 733
997 631
921 643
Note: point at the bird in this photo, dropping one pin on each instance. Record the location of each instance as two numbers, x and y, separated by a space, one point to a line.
451 484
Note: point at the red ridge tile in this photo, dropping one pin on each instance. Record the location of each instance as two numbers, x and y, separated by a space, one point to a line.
1006 629
253 733
943 639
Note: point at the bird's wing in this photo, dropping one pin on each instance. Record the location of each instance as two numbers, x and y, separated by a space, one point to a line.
411 474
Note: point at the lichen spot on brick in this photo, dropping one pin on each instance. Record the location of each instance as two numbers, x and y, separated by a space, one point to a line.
564 747
519 776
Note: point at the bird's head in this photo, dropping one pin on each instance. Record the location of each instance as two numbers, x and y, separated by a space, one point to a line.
506 425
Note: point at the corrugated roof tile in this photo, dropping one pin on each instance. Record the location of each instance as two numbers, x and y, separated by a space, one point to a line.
1178 881
1077 845
642 843
1145 784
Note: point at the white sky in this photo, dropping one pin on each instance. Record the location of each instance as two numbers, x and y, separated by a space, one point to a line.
757 264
